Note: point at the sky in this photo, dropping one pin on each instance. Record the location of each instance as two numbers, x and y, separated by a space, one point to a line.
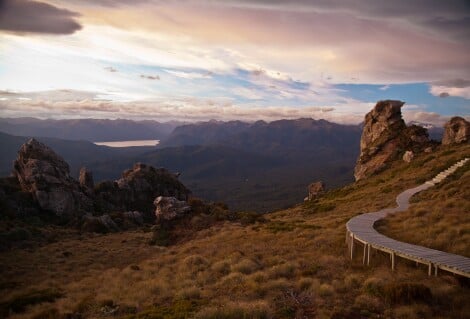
196 60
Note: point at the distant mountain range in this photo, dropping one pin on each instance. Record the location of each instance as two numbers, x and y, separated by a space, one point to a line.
95 130
260 166
76 153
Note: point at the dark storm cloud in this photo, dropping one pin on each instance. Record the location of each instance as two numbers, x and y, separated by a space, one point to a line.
24 16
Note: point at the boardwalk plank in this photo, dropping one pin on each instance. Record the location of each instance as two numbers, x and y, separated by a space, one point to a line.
362 227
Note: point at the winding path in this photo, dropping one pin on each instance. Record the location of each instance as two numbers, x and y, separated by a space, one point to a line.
361 229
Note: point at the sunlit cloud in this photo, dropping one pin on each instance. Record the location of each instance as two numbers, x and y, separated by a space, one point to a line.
168 56
453 87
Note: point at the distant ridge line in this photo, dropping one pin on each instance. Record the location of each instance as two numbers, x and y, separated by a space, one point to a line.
361 229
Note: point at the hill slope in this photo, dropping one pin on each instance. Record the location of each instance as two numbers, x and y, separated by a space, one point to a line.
293 264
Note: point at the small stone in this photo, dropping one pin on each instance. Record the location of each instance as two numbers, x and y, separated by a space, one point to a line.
315 189
408 156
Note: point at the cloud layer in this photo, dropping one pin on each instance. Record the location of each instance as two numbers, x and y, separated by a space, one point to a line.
26 16
203 59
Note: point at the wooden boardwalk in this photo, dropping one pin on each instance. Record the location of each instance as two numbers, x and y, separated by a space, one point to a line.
360 229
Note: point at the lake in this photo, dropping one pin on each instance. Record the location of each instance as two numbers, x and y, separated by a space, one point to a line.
129 143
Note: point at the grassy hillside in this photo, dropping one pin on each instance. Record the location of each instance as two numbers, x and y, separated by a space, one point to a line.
292 264
439 217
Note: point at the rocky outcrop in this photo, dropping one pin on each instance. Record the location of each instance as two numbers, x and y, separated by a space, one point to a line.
170 208
44 174
86 179
41 183
315 189
457 130
138 188
385 137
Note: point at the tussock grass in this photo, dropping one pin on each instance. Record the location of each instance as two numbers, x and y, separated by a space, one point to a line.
438 217
290 264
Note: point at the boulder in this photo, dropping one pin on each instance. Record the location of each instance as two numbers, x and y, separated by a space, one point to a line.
385 136
408 156
44 174
315 189
457 130
99 224
86 179
170 208
134 217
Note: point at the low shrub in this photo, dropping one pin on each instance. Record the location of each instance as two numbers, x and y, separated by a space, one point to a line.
255 311
407 293
160 237
179 309
18 303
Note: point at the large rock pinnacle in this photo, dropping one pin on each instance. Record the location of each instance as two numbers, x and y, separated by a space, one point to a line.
44 174
385 137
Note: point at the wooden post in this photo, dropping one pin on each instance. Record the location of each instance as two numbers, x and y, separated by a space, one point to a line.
393 260
368 254
430 269
435 270
352 246
364 254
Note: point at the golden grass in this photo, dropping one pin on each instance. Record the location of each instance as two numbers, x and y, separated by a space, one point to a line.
439 217
293 265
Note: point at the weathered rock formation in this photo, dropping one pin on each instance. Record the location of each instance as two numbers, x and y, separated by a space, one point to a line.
385 137
315 189
86 179
44 174
41 183
169 208
457 130
138 188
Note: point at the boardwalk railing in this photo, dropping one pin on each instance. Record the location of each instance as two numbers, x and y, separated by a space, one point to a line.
360 229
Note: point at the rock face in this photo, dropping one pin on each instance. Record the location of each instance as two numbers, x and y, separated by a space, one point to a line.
44 174
315 189
86 179
457 130
169 208
385 136
138 188
408 156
